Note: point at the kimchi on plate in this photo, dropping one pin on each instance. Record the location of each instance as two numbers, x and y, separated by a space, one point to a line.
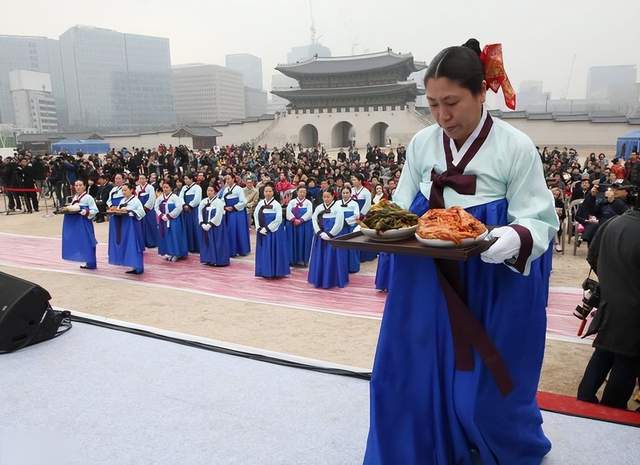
449 227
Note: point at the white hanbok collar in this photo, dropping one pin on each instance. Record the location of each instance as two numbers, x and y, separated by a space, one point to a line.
458 154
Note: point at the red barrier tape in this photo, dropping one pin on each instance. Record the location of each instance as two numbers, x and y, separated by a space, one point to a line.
11 189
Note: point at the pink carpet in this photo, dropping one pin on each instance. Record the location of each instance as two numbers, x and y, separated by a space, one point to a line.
238 281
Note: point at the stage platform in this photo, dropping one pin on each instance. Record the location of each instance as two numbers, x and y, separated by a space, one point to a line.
98 396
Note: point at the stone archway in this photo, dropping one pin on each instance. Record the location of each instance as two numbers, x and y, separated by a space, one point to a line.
342 134
378 134
308 135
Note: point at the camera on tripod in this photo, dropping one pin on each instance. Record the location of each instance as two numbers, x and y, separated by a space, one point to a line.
590 299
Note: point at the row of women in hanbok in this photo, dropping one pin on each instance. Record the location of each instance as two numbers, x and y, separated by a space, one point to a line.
216 227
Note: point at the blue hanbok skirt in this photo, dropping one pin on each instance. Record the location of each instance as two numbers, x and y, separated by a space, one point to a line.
237 229
78 240
126 244
172 238
272 252
425 411
150 229
353 255
300 239
383 271
192 229
214 246
328 266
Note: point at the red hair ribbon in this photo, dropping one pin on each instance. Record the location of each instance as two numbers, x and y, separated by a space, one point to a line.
495 75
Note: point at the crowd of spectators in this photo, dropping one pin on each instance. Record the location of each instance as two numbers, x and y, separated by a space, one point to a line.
287 167
592 189
602 186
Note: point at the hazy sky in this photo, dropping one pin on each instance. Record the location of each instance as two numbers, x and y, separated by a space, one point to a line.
539 37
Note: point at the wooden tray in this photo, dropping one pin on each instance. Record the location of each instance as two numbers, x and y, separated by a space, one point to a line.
410 246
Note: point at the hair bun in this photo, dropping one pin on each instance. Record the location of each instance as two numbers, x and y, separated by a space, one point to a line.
473 44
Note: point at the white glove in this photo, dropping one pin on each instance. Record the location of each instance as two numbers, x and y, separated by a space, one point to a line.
164 217
263 231
84 212
325 236
206 227
357 228
506 247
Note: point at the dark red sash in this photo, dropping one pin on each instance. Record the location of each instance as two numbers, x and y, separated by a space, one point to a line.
466 330
261 220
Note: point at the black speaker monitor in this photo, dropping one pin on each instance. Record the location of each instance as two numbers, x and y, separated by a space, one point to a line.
23 307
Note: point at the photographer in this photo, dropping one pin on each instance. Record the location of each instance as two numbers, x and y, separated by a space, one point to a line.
615 257
56 180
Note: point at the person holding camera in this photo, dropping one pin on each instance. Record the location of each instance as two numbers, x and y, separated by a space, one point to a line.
614 255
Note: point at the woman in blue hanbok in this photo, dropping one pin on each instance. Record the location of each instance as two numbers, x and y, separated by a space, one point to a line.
272 249
328 266
126 244
214 244
191 195
115 197
172 243
299 228
362 196
236 217
78 237
383 271
351 212
147 196
461 343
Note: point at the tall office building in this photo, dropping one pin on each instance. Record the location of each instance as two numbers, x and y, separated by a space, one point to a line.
207 93
532 98
116 81
249 65
306 52
255 102
38 54
34 107
616 85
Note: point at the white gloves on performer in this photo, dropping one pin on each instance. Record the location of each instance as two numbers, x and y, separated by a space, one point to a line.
206 227
505 248
324 236
164 217
263 231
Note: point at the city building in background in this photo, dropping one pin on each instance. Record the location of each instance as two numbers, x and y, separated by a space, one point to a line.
34 106
532 98
616 85
250 66
305 52
38 54
205 93
116 81
255 102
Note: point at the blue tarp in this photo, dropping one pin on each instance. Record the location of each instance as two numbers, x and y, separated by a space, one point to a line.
85 146
630 142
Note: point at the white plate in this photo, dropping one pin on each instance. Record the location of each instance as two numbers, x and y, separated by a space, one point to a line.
442 243
390 235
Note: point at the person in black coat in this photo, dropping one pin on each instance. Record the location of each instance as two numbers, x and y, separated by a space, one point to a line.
595 210
10 180
614 255
102 188
25 177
